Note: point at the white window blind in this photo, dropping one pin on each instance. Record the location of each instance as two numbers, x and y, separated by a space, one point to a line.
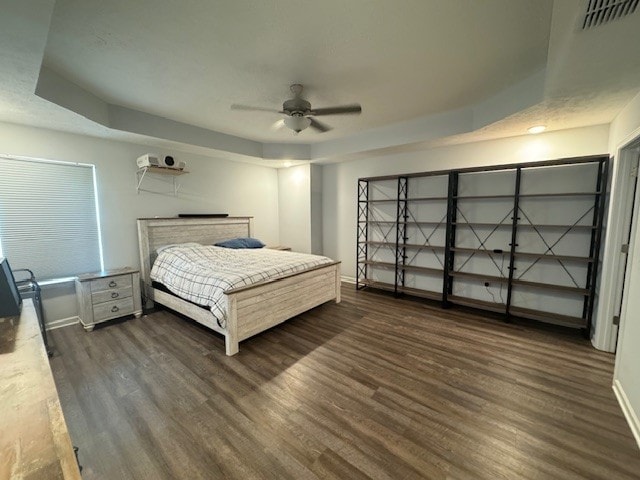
48 217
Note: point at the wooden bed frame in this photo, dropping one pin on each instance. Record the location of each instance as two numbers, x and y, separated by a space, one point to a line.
251 309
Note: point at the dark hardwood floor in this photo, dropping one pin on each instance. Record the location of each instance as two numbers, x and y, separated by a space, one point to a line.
372 388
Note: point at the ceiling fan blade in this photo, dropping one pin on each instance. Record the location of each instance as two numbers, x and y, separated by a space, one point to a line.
321 127
341 110
249 108
277 125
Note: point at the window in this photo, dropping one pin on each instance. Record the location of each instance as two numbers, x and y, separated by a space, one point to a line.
49 220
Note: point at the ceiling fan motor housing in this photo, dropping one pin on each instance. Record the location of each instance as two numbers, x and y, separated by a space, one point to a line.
297 106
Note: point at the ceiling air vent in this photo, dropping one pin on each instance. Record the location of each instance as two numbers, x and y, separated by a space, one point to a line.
600 12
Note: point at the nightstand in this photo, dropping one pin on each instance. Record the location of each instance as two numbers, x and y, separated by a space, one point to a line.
279 247
107 295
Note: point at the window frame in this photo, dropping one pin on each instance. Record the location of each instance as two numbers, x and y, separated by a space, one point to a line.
67 279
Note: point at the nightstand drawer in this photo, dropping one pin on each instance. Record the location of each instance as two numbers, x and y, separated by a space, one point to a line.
113 309
109 295
109 283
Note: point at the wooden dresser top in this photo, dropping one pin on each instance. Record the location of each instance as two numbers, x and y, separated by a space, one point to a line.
106 273
34 441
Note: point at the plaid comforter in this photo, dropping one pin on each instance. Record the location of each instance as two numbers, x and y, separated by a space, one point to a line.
201 274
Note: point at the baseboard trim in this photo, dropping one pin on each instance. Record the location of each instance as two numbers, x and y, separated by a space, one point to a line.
63 322
348 279
625 405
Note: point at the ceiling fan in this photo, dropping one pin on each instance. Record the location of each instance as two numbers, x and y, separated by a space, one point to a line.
299 114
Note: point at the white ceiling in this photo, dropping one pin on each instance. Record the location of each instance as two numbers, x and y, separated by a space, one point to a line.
190 60
423 70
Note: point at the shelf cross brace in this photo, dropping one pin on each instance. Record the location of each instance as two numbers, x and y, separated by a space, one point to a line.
550 247
482 242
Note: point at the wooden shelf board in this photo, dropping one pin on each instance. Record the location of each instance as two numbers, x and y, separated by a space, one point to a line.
439 248
443 224
426 199
371 242
549 317
520 225
415 268
415 292
407 245
506 251
380 285
411 268
473 224
479 276
393 222
472 302
549 286
563 194
382 200
589 227
163 171
481 197
479 250
373 263
569 258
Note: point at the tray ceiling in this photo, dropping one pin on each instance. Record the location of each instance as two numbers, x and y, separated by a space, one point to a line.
422 70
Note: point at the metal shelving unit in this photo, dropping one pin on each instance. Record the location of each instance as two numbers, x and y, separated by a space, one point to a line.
393 240
529 218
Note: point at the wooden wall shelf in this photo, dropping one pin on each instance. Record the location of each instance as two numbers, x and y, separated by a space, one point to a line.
162 173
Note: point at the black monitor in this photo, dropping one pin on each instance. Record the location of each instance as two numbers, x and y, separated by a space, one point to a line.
10 300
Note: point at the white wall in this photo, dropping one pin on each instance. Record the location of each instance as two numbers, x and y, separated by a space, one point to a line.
300 207
626 126
316 209
625 129
626 382
294 200
214 185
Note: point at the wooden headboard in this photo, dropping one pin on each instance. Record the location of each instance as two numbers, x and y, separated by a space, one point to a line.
154 233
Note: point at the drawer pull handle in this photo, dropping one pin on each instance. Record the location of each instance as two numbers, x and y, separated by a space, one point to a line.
113 284
115 295
114 308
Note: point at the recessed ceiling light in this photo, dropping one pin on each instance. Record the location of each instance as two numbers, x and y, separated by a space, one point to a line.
537 129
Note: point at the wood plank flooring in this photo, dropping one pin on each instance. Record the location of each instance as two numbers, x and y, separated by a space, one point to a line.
374 387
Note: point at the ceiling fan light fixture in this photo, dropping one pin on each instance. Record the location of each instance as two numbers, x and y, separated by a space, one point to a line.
297 123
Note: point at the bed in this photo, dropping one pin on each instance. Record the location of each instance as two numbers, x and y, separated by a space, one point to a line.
250 309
